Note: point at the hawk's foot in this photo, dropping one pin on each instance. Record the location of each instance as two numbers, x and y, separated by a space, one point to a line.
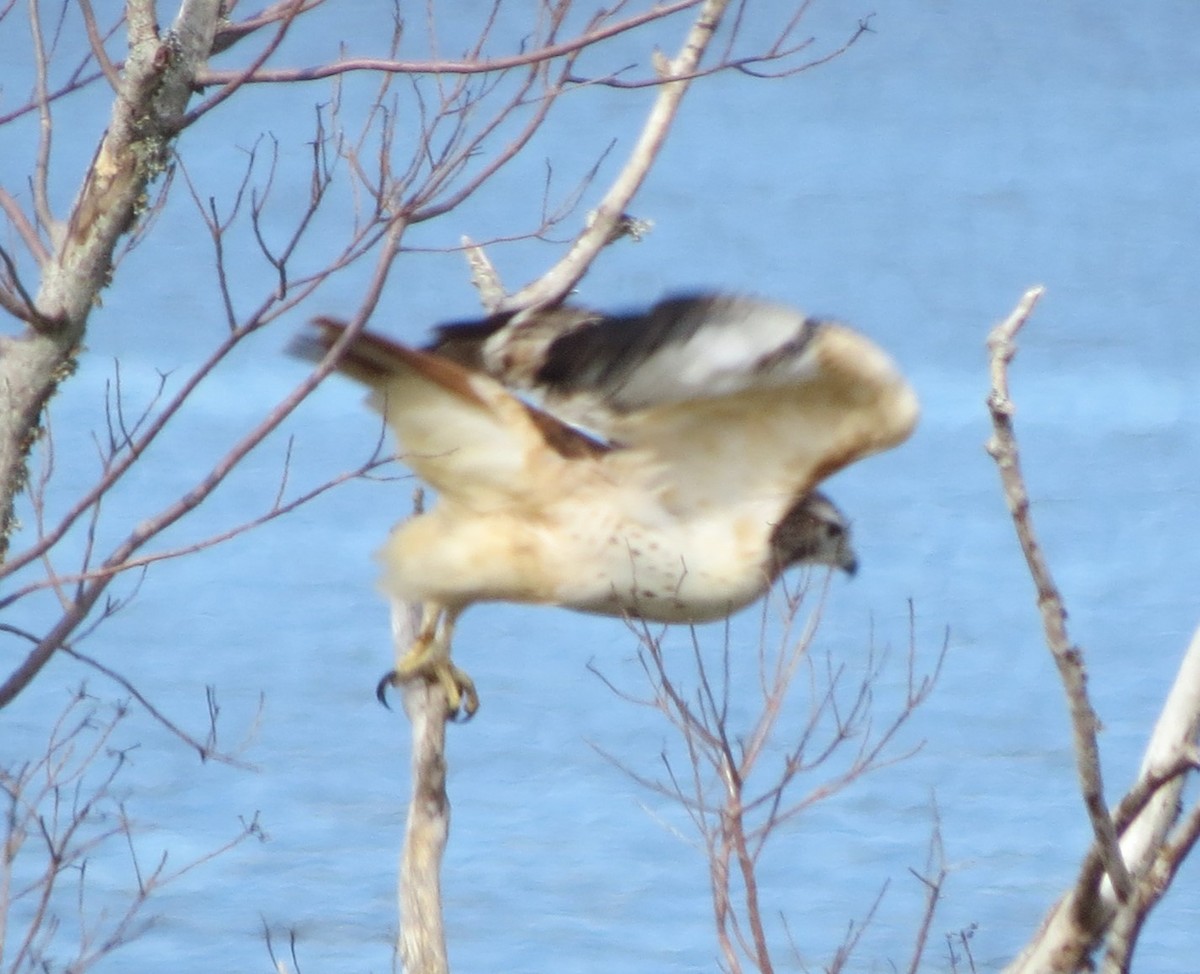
429 661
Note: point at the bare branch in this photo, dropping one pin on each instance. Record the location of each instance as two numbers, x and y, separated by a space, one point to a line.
229 34
735 810
933 879
421 944
141 562
539 55
23 309
556 283
287 14
206 750
64 808
109 69
854 934
1069 658
1170 752
483 275
75 84
29 237
1118 882
743 65
154 525
41 199
156 84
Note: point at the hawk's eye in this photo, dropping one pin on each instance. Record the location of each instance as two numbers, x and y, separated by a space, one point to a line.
833 530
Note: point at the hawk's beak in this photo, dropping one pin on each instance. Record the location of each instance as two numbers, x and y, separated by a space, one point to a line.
850 566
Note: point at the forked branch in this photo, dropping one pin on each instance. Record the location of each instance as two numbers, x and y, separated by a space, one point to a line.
1069 658
1136 850
732 785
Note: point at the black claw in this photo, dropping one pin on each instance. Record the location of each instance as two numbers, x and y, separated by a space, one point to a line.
468 703
468 706
381 688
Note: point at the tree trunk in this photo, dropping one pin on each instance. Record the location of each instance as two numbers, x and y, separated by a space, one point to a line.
156 84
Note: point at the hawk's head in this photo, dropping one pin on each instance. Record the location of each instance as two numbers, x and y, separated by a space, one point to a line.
813 531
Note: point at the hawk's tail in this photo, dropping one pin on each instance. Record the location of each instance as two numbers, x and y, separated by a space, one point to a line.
380 363
370 359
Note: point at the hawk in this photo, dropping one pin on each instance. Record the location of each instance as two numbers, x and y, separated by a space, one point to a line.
668 472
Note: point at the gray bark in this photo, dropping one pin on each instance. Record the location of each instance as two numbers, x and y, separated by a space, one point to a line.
156 84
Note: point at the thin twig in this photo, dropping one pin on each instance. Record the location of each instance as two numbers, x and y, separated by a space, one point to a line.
439 67
1069 658
556 283
933 879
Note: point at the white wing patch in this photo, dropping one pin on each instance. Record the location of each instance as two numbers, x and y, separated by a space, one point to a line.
741 344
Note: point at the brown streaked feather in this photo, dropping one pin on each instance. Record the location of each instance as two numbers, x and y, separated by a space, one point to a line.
567 441
373 359
376 361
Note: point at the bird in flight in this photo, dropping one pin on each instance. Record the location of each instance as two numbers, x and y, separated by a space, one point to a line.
667 473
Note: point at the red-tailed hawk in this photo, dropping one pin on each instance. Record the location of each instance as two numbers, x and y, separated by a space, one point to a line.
710 421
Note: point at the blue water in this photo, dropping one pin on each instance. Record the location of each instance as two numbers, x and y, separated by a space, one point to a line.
957 155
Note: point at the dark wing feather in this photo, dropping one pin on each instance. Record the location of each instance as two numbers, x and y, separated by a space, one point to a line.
731 396
683 348
463 341
509 347
591 369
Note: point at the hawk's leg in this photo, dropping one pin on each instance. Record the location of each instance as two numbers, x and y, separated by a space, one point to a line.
428 658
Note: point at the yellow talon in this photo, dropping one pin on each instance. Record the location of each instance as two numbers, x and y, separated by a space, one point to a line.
462 700
429 660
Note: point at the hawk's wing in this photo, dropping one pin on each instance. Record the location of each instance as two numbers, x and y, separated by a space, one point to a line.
461 431
736 398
